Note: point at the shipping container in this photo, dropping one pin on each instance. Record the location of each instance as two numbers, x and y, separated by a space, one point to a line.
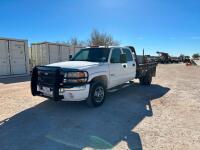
14 57
74 50
47 53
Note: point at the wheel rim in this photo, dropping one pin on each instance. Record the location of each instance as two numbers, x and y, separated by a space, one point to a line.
99 94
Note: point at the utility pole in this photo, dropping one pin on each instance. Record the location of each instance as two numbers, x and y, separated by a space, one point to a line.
143 55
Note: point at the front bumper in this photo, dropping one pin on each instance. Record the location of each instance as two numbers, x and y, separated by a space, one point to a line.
46 82
78 93
75 94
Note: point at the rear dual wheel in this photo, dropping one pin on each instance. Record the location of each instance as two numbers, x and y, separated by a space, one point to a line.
147 79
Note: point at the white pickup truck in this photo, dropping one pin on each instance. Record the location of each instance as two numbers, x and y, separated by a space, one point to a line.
90 73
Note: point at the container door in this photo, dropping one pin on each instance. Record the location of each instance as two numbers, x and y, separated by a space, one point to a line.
17 57
64 53
43 54
34 59
54 53
4 58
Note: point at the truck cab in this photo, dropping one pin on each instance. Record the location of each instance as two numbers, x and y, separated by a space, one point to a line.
89 74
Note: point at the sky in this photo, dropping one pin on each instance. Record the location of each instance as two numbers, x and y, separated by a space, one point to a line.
153 25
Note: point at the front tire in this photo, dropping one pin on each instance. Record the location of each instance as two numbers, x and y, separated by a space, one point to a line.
97 95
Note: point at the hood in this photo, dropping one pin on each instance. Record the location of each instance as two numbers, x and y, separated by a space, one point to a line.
75 64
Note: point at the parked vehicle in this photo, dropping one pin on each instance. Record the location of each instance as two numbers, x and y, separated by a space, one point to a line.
152 58
90 73
164 58
175 59
186 59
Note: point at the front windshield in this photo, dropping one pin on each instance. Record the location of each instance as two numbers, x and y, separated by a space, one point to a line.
93 55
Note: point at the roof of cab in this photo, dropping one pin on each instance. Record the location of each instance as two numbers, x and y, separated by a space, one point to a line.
104 47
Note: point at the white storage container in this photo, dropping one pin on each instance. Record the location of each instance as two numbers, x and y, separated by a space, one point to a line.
14 57
74 50
47 53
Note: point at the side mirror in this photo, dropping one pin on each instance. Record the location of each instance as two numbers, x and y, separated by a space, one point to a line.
70 57
123 58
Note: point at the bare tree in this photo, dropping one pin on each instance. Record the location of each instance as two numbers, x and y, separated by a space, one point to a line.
96 39
74 42
101 39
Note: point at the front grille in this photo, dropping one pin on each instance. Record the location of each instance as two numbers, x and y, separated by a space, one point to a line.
47 76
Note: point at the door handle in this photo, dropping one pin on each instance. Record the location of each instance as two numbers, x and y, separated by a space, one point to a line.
133 65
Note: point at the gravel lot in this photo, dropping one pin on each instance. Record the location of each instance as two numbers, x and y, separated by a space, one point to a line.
163 116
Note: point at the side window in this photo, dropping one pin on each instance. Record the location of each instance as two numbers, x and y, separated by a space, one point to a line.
115 57
128 54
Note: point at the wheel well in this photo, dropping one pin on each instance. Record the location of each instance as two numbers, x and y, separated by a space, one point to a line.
103 79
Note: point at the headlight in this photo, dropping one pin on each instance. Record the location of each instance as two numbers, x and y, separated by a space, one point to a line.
75 77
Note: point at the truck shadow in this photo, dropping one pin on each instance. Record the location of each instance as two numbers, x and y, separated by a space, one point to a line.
71 125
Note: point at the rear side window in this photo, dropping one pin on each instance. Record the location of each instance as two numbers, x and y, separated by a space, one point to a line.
115 57
128 54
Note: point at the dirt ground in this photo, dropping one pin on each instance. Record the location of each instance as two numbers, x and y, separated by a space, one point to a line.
164 116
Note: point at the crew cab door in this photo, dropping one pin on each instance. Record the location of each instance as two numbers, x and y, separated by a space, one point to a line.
130 70
116 73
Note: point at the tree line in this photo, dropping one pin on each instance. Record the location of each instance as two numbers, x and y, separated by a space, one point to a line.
103 39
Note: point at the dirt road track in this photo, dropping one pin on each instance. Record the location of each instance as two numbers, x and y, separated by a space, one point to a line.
163 116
